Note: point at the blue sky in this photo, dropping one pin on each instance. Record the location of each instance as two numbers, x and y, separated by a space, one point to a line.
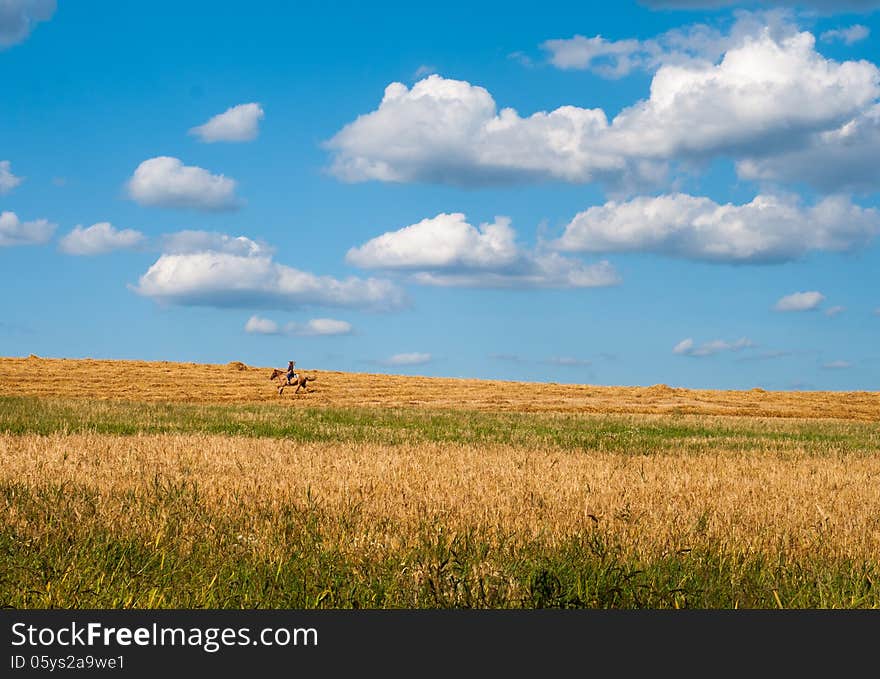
604 193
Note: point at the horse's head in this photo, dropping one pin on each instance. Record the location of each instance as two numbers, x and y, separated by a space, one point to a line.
275 373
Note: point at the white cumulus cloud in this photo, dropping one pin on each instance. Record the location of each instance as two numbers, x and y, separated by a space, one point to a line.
239 123
8 181
449 131
221 279
840 159
444 241
99 239
13 231
768 93
800 301
166 182
769 228
19 17
446 250
687 347
258 325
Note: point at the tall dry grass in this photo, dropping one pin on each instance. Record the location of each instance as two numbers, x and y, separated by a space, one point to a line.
787 506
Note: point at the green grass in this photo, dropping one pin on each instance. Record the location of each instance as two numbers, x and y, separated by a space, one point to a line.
627 434
73 560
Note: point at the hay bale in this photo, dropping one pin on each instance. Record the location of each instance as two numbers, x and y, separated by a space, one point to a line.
237 365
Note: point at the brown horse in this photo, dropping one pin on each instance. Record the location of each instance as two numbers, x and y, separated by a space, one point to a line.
298 381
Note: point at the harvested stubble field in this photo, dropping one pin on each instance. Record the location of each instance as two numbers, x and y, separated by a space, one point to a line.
183 485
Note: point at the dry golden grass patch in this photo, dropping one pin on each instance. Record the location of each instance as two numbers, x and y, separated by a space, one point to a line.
236 383
380 497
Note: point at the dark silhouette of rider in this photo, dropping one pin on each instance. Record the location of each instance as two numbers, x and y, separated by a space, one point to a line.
290 372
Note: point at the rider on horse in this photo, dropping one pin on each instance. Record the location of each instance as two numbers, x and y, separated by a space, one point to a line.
291 374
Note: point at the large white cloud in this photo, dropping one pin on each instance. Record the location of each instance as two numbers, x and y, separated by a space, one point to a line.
446 250
99 239
19 17
221 279
800 301
769 228
768 93
8 181
841 159
15 232
449 131
239 123
166 182
764 94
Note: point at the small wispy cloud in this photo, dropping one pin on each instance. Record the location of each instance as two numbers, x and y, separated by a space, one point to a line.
512 358
764 356
317 327
521 58
424 70
567 361
837 365
19 17
413 358
8 181
834 311
800 301
849 35
687 347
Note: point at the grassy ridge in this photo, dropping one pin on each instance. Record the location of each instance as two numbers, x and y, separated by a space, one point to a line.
636 434
76 561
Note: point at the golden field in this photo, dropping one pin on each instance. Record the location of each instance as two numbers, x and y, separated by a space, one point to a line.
760 502
189 485
237 383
